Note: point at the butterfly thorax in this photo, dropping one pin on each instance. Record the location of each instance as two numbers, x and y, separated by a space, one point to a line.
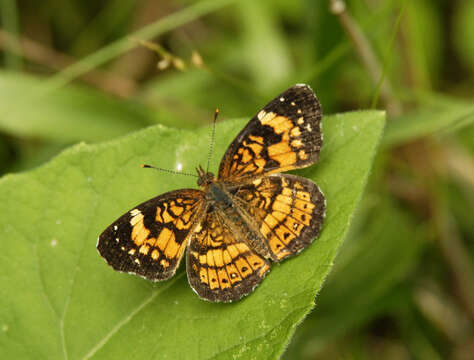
214 192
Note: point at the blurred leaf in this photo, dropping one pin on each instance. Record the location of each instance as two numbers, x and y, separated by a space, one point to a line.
466 138
102 26
187 99
415 336
423 47
461 205
463 32
72 17
9 21
374 259
264 49
445 117
120 46
58 299
31 154
328 39
71 114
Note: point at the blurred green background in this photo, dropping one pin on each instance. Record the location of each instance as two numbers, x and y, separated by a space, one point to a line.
403 283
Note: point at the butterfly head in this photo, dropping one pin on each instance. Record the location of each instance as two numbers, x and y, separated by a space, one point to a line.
205 178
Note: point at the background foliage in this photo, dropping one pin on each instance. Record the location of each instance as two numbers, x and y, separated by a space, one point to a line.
402 285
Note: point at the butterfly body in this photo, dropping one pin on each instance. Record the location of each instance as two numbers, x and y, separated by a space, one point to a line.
237 223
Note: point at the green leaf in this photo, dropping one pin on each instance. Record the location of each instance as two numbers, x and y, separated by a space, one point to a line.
445 117
58 298
376 256
70 114
466 138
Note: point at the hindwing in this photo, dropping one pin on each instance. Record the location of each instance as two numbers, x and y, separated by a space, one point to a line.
288 210
220 264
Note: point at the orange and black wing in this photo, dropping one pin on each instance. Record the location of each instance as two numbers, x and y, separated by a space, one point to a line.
150 239
284 135
288 210
220 264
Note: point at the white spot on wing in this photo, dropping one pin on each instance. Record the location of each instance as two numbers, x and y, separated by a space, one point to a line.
261 114
115 227
282 99
135 212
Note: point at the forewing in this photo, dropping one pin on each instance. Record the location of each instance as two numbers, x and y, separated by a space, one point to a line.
150 239
220 264
285 135
288 210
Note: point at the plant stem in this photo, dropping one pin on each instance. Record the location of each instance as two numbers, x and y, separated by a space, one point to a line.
40 54
366 54
124 44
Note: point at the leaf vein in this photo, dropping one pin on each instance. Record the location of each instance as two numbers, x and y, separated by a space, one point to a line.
129 317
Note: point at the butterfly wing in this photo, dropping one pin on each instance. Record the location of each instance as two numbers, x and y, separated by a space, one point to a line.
150 239
220 264
288 210
285 135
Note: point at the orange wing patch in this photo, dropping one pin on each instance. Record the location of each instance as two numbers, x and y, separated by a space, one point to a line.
285 135
150 239
287 209
220 265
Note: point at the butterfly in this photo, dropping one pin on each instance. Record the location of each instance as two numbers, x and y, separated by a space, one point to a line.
241 221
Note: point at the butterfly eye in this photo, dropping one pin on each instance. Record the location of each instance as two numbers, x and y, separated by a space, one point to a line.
205 178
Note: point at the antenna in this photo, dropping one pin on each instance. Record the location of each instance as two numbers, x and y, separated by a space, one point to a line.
211 146
145 166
